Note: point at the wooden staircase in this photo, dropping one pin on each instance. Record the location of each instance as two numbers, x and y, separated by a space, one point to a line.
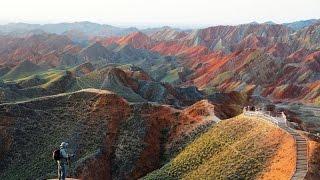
302 153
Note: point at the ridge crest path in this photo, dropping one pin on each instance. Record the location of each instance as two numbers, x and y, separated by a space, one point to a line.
300 142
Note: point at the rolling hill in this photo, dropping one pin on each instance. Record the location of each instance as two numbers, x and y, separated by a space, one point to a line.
139 88
110 137
25 68
238 148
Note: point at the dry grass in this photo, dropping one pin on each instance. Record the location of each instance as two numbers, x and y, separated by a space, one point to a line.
239 148
314 159
283 163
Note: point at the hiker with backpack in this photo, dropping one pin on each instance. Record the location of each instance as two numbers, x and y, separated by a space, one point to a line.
62 158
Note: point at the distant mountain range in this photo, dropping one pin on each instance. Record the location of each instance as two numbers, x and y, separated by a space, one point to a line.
302 24
78 31
86 28
268 59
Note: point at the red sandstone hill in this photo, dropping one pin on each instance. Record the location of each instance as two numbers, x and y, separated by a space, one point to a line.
137 40
227 37
33 48
261 59
168 34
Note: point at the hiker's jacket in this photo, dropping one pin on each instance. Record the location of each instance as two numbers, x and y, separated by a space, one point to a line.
63 155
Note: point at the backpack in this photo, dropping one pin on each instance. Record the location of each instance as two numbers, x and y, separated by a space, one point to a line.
56 154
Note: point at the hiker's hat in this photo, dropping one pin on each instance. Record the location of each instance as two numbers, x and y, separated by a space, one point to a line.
64 144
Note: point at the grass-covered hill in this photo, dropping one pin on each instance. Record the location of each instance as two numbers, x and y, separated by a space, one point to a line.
39 84
238 148
24 69
135 85
128 81
111 138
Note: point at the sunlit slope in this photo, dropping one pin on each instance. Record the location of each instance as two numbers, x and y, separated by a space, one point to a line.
238 148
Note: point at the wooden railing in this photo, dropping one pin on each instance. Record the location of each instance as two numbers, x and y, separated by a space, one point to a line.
277 120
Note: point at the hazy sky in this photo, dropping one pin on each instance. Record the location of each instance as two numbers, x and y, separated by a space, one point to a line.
158 12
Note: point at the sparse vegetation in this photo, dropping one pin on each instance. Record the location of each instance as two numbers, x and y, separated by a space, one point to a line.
40 131
233 149
130 143
172 76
